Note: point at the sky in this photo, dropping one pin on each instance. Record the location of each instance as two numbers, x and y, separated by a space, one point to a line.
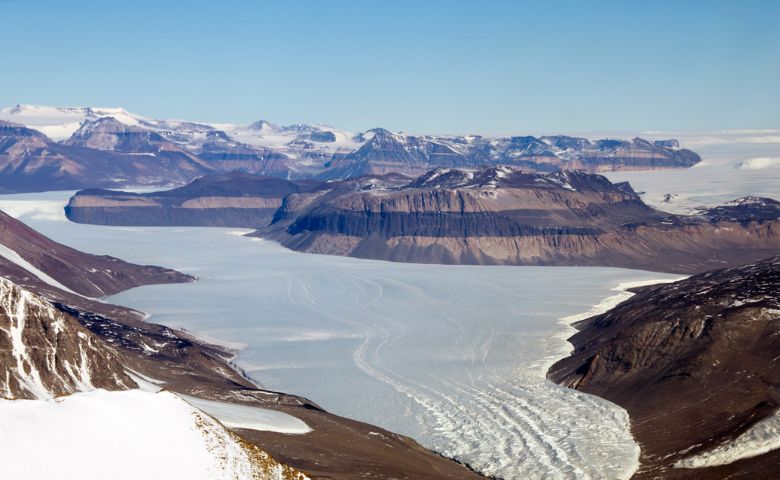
414 66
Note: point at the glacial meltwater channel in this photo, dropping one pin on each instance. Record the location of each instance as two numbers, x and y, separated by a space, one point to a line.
453 356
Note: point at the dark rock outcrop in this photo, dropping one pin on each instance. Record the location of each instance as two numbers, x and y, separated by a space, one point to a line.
231 200
693 362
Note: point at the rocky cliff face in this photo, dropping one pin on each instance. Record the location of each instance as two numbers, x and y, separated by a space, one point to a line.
83 273
693 362
231 200
507 216
45 353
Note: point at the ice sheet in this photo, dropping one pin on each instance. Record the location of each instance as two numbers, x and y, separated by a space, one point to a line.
734 164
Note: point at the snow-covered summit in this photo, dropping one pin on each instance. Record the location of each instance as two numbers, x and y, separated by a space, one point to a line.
59 123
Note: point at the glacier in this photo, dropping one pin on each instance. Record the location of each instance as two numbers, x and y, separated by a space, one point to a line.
453 356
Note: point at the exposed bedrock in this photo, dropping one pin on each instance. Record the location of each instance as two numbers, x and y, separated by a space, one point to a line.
505 216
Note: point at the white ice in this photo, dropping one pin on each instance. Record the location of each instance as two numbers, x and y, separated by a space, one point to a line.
715 180
252 418
761 438
231 414
758 163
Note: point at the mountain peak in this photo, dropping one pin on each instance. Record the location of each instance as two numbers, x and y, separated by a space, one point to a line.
263 126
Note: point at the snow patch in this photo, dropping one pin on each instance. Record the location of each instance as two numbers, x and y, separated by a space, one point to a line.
759 439
14 257
252 418
758 163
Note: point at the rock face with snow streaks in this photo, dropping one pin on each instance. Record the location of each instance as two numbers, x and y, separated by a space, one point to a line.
694 363
45 353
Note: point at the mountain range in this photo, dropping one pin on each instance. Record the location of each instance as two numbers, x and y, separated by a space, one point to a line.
43 148
494 215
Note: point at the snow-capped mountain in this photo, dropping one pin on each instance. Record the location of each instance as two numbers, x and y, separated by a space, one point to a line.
59 123
138 150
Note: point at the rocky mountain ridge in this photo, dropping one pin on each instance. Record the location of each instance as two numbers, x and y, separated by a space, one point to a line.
30 161
84 274
108 148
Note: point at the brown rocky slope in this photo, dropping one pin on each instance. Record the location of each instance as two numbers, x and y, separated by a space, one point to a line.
86 274
45 353
507 216
693 362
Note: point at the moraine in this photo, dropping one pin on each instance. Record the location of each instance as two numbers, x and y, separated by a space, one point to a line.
453 356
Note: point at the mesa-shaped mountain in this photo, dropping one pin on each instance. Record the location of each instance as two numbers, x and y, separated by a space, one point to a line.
230 200
507 216
693 362
109 148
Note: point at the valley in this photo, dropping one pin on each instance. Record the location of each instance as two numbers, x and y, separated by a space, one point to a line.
430 368
465 378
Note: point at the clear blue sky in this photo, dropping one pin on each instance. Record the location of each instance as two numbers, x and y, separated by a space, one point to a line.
418 66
